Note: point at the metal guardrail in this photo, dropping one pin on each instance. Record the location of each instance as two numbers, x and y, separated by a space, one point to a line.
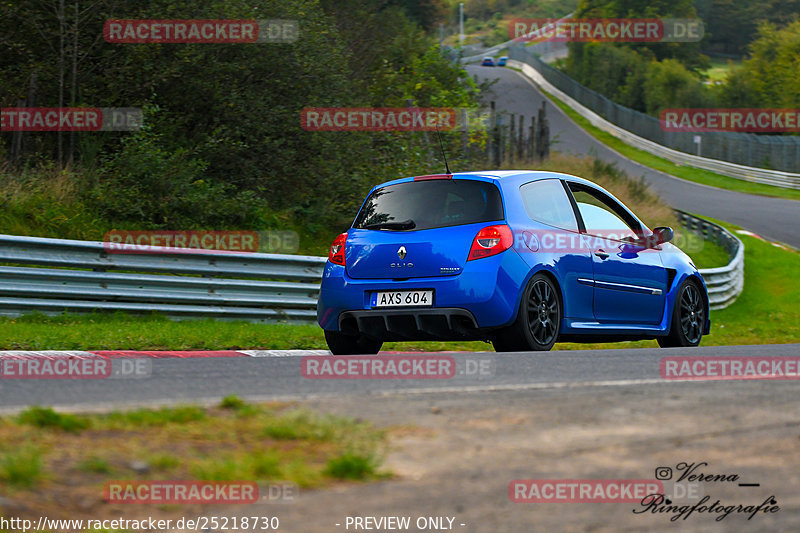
725 283
54 275
554 81
80 276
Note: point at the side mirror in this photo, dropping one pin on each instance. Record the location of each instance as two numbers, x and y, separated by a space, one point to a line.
662 234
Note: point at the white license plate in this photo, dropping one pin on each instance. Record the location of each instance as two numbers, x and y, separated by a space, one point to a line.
402 298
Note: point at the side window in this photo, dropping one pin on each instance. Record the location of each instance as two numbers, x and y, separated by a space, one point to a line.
546 201
601 217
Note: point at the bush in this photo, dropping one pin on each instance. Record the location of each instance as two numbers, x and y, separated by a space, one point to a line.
670 84
158 417
232 402
351 466
21 468
45 417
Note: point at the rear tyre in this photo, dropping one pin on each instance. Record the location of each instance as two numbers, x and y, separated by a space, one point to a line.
538 322
688 318
340 344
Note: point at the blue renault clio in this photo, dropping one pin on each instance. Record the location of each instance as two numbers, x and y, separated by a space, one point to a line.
523 259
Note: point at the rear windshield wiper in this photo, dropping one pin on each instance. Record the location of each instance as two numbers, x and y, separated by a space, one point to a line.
405 224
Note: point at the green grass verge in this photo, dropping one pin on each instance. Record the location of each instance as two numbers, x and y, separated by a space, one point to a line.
696 175
706 254
768 310
119 331
233 441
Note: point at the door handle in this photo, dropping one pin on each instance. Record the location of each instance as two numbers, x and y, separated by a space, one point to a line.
601 254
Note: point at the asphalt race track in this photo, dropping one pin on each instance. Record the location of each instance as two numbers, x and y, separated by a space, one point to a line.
775 219
278 376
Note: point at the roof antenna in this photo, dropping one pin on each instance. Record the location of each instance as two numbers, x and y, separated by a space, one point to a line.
446 166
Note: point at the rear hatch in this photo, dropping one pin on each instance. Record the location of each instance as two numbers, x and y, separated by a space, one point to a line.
420 228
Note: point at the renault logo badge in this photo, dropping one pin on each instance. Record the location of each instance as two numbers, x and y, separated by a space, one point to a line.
401 253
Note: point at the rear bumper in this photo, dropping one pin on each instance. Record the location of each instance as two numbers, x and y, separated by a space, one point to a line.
412 324
482 297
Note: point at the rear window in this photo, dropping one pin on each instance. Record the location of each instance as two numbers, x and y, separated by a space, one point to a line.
431 204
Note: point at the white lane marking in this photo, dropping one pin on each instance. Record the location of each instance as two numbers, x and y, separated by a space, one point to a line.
430 390
46 354
210 401
283 353
528 386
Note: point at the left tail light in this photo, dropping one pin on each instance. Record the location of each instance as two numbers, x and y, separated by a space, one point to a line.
336 254
491 241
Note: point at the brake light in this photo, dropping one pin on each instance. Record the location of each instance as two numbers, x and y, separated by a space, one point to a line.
434 177
336 255
491 241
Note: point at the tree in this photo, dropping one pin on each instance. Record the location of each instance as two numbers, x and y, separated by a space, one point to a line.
687 53
771 77
731 25
223 139
669 84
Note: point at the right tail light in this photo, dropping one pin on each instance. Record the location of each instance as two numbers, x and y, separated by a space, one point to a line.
336 254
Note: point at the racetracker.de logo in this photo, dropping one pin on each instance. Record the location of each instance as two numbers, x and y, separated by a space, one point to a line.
377 119
181 492
131 31
582 490
70 119
727 119
22 365
606 30
169 241
729 367
622 242
378 367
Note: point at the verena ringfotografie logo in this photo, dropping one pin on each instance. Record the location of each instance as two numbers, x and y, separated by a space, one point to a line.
181 492
377 119
729 368
582 490
21 366
607 30
723 119
692 478
200 241
133 31
70 119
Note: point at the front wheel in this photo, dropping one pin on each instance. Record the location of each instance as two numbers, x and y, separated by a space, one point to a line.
688 318
340 344
538 321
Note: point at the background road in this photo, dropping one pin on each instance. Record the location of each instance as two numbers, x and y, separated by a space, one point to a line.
776 219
